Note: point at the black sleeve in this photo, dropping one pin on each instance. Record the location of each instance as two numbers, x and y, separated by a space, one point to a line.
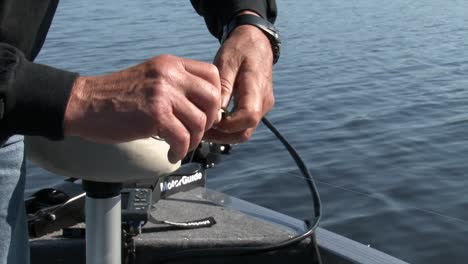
34 96
218 13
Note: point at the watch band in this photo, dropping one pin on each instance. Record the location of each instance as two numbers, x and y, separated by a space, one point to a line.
268 28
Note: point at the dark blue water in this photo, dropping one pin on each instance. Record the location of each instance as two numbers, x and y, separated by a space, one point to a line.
373 94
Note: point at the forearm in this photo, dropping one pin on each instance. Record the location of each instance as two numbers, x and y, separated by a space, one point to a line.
34 96
219 13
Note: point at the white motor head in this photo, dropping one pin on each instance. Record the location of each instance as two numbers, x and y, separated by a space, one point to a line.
75 157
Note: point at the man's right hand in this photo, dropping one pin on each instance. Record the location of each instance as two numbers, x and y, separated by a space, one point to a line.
174 98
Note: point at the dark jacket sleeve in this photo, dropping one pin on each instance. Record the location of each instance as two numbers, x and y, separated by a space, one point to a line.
34 96
218 13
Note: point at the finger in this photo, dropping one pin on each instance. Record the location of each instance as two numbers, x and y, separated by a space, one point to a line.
228 66
217 136
249 104
206 71
205 96
193 119
177 136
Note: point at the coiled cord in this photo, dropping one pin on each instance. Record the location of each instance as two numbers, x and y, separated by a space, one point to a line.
237 251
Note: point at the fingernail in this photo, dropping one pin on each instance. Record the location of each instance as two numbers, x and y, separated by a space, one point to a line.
220 116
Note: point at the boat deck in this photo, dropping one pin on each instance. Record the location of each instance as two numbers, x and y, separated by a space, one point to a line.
157 241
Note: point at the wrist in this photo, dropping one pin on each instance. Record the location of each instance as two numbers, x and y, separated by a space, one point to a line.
74 111
248 37
251 20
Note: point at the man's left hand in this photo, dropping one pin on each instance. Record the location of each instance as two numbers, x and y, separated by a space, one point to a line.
245 63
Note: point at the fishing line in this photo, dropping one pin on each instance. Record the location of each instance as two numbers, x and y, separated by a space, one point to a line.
374 196
238 251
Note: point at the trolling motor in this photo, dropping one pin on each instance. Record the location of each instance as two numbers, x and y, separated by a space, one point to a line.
116 211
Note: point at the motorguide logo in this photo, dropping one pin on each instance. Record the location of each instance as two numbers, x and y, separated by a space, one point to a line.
169 185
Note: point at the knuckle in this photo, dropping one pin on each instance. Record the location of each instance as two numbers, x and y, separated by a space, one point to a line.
213 70
200 123
183 139
253 118
165 57
163 65
213 97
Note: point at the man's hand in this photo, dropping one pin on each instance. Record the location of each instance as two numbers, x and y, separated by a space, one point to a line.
174 98
245 63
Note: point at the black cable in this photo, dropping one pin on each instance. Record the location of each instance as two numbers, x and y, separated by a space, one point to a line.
303 168
237 251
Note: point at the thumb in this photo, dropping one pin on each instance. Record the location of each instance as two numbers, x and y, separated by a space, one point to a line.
227 72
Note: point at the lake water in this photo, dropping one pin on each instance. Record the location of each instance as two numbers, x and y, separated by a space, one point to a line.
373 94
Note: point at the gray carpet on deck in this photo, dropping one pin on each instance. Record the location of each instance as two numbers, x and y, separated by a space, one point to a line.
157 240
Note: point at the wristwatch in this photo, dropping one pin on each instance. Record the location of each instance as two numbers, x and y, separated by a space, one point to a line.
268 28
